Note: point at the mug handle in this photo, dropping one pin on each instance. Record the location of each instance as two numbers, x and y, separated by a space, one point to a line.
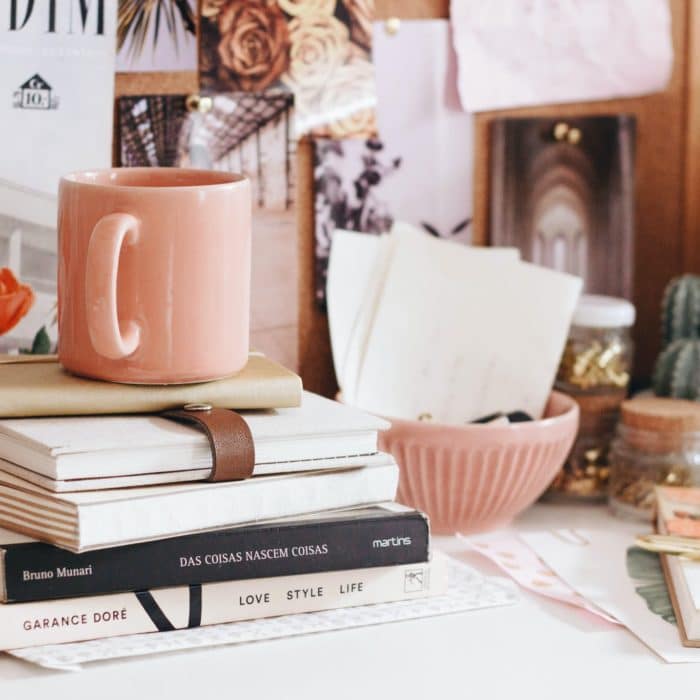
104 248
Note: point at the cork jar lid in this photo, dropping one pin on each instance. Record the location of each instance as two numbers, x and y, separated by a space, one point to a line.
661 415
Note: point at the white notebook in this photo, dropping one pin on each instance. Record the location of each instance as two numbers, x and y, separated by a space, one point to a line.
86 452
97 519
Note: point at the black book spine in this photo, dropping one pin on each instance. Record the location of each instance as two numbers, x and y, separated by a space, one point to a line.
37 571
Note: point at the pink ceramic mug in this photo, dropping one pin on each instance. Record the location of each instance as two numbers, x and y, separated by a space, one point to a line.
154 274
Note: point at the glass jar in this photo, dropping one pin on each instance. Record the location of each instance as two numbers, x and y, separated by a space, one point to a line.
657 442
595 371
598 352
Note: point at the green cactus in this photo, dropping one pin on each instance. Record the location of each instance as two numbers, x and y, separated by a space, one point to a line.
677 371
680 309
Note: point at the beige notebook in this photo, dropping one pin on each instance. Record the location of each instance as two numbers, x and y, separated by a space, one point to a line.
43 388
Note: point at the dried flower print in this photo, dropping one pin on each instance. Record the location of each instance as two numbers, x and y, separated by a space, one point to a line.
140 20
348 186
317 49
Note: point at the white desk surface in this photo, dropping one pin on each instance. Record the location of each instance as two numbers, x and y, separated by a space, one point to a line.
534 649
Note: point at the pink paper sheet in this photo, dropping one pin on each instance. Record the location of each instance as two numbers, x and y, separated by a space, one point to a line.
516 559
529 52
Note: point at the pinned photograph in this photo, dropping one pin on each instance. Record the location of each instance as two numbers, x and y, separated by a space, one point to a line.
235 132
155 36
248 133
350 194
562 191
320 51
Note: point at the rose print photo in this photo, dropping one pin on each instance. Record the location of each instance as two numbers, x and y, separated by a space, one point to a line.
241 132
319 50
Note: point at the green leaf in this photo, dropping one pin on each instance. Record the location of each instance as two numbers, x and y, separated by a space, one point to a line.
42 343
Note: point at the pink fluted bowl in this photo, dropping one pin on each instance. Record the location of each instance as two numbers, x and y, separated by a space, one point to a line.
474 478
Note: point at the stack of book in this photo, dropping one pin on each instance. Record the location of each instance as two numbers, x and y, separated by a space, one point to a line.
112 528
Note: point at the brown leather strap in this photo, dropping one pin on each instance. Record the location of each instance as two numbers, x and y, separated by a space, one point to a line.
232 447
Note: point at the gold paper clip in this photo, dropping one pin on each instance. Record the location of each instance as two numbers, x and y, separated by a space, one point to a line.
685 547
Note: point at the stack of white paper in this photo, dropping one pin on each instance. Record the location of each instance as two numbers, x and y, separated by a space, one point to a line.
422 325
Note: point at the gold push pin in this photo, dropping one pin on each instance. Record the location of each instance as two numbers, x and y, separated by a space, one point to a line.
561 129
392 26
574 136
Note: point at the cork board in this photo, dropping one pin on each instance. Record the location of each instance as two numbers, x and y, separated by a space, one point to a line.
667 175
659 187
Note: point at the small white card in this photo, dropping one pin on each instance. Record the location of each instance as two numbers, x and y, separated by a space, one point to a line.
455 331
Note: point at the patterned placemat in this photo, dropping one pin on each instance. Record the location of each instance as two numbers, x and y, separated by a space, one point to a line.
468 590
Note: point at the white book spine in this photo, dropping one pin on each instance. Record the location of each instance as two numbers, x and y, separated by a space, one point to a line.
78 619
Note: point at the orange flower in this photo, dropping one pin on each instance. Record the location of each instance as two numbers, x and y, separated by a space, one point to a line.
15 300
